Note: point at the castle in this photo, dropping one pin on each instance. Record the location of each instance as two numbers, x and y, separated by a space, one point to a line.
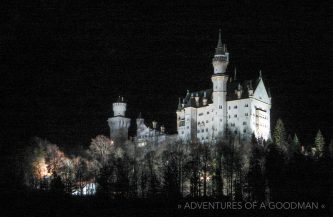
242 107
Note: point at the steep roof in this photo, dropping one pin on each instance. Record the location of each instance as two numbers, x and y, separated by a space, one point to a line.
189 100
244 86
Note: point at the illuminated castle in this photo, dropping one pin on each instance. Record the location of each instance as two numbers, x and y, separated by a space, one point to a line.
242 107
119 125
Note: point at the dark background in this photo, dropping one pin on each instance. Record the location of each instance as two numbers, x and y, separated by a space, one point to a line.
63 64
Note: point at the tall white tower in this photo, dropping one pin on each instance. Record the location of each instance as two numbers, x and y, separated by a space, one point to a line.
219 79
119 124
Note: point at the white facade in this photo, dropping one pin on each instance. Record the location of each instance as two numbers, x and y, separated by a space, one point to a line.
119 124
145 134
241 106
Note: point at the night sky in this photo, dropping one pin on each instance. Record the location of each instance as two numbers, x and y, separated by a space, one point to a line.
64 64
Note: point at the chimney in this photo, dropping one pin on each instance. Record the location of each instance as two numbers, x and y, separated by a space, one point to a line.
197 100
162 129
204 99
250 89
154 124
239 91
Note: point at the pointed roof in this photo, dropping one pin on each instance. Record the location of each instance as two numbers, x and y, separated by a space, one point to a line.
220 49
140 116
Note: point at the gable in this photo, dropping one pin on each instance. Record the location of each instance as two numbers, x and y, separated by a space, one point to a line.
261 93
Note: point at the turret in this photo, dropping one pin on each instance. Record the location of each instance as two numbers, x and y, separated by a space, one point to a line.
220 79
119 107
119 124
221 57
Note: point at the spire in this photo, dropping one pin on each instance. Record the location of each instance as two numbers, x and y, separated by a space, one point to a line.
140 116
235 74
260 74
220 49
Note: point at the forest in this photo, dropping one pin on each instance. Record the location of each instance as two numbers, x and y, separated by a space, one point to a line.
235 169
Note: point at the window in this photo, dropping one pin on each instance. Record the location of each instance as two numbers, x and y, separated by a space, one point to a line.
244 123
202 130
244 131
229 116
182 132
220 107
200 114
229 107
188 127
220 120
206 121
235 107
207 113
206 129
246 114
235 116
246 105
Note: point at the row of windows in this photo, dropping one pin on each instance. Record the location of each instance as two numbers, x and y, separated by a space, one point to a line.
262 125
202 131
235 116
235 107
262 116
200 114
233 124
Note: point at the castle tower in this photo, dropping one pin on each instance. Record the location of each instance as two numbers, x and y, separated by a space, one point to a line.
221 57
219 78
119 124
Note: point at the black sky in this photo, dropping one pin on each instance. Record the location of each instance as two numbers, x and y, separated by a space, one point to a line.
63 64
